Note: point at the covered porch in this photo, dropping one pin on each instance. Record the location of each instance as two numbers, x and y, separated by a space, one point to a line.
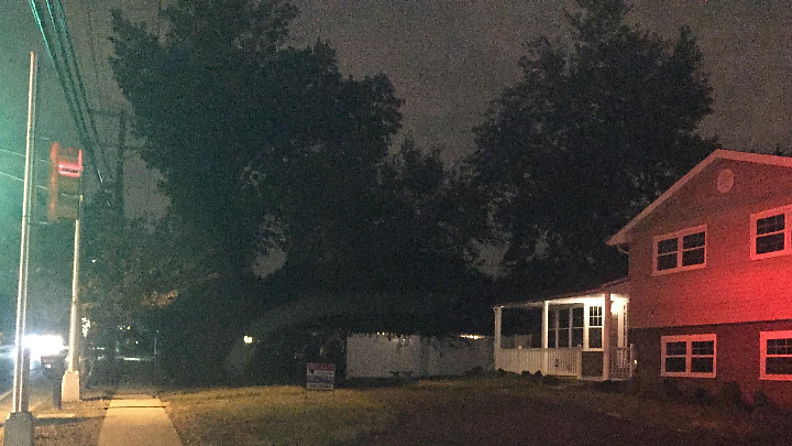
583 335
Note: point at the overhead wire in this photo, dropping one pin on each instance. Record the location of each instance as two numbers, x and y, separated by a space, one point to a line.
74 79
63 70
79 80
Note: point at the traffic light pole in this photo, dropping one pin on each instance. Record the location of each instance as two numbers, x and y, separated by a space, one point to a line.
19 426
70 386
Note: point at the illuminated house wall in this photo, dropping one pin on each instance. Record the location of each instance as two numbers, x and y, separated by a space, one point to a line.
702 322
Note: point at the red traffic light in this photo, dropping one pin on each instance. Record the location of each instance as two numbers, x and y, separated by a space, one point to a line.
63 191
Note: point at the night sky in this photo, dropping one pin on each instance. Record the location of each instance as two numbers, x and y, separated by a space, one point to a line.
447 58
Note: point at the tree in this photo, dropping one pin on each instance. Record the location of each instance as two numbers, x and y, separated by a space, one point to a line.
263 145
155 279
586 139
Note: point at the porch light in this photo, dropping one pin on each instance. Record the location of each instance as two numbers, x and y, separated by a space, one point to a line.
247 339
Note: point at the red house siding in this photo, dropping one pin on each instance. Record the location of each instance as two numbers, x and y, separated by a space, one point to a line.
732 288
732 296
737 359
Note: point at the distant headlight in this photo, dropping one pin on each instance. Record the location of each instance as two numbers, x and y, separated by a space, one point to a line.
44 345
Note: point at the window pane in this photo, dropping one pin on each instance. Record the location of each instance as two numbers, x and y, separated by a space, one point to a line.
595 337
563 318
693 240
577 317
551 339
577 337
563 338
779 346
665 262
693 257
701 365
675 364
701 348
666 246
595 316
770 224
676 348
779 365
770 243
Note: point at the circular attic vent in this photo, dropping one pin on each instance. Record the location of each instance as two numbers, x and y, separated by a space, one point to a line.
725 180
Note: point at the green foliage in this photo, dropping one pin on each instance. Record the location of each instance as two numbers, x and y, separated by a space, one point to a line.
585 141
132 272
264 147
256 141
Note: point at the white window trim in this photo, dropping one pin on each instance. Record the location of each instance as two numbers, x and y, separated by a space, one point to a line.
679 235
689 339
763 337
787 211
588 327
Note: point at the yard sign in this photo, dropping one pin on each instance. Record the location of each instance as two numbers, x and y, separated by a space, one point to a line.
320 376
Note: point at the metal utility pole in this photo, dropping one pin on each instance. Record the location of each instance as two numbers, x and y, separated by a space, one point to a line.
70 386
19 426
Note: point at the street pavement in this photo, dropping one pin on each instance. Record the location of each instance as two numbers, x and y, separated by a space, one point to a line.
135 417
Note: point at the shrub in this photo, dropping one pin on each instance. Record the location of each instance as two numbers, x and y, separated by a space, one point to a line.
729 395
700 395
609 386
669 390
760 400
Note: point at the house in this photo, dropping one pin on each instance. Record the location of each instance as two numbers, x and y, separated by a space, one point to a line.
582 335
711 277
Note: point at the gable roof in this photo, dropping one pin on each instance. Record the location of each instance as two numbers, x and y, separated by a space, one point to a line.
757 158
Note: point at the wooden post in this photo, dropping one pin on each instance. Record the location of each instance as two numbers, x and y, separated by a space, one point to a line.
497 340
544 366
606 335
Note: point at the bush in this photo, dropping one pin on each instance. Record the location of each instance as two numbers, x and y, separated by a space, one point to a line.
700 395
609 386
669 390
548 380
729 395
760 400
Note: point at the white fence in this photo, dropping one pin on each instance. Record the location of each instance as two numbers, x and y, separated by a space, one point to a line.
386 356
550 361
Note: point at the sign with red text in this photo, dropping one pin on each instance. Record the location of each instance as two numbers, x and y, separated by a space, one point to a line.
319 376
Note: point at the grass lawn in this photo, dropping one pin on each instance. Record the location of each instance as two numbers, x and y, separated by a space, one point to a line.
483 411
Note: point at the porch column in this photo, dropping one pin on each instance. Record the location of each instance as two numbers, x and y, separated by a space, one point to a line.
497 339
606 335
544 366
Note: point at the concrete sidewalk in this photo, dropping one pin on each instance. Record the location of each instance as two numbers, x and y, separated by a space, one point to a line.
137 419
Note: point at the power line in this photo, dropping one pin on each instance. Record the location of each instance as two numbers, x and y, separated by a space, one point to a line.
79 79
66 72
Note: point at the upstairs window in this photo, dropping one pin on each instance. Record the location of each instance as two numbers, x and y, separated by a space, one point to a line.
770 233
681 250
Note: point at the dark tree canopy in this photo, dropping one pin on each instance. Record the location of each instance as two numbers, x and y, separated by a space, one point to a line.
264 145
586 139
268 147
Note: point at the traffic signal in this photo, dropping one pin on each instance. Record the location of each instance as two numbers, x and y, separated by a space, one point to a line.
63 190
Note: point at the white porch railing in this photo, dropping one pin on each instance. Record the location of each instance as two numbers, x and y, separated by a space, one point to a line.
561 361
550 361
622 362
